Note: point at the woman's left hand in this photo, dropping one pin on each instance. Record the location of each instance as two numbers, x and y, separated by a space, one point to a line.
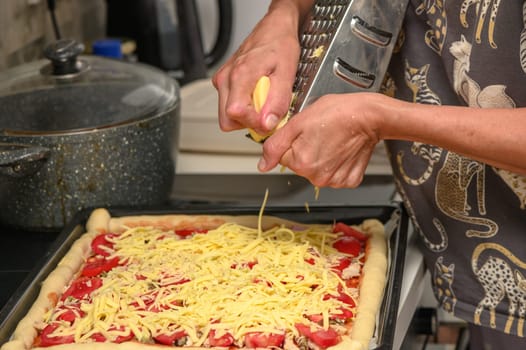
330 142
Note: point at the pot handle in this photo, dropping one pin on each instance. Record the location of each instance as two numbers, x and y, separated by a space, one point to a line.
19 160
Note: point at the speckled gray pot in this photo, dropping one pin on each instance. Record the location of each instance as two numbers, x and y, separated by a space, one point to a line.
57 174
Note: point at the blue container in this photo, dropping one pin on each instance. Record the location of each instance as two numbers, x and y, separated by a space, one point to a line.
107 48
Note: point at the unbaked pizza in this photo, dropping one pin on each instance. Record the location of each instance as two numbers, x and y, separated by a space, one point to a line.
198 281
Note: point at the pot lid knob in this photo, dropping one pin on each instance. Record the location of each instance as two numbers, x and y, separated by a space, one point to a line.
63 55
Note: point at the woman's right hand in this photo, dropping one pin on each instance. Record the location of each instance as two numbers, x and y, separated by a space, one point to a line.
272 49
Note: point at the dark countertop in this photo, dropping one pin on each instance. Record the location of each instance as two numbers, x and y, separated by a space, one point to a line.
20 250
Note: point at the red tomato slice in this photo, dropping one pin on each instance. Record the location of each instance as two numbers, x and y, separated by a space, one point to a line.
344 314
310 261
71 313
46 339
321 337
348 245
189 232
343 297
316 318
225 340
101 241
349 231
82 287
342 264
169 339
353 282
96 265
346 298
263 340
100 338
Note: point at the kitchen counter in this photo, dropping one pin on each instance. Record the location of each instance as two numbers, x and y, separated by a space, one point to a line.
20 251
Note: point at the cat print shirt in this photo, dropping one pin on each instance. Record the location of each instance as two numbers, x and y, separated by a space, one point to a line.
471 217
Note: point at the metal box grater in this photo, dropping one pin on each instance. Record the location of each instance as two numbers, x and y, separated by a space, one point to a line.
346 46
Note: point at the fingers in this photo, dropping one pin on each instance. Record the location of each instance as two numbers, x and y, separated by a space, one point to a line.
321 166
237 79
221 83
350 174
234 87
275 147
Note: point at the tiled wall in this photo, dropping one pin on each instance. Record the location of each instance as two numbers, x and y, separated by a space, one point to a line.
25 26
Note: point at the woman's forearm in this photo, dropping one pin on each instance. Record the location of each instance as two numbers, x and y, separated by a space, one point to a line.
299 9
494 136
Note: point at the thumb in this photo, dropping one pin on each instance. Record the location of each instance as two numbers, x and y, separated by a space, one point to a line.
275 147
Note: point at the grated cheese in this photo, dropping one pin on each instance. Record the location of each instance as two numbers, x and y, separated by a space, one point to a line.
233 279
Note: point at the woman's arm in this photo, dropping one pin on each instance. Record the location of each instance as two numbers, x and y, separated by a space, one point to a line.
331 141
493 136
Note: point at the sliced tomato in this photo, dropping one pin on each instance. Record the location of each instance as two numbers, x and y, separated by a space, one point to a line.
348 245
170 338
225 340
70 313
344 314
263 340
189 232
353 282
341 264
321 337
96 265
46 339
346 298
310 261
341 296
100 338
316 318
82 287
349 231
101 241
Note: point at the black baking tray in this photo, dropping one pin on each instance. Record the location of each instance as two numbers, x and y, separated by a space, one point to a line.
393 216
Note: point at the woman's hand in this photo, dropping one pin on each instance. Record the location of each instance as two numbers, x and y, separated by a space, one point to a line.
272 49
331 141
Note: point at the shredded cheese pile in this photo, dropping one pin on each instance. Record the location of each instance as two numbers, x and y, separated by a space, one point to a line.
232 279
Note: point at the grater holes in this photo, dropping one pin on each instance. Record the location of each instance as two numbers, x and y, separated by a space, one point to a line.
331 13
317 27
310 41
306 40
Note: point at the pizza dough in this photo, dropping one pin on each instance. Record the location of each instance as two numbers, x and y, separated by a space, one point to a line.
373 275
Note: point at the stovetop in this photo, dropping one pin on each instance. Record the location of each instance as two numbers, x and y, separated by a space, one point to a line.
19 253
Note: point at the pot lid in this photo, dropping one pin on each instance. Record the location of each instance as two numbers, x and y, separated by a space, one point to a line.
71 92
